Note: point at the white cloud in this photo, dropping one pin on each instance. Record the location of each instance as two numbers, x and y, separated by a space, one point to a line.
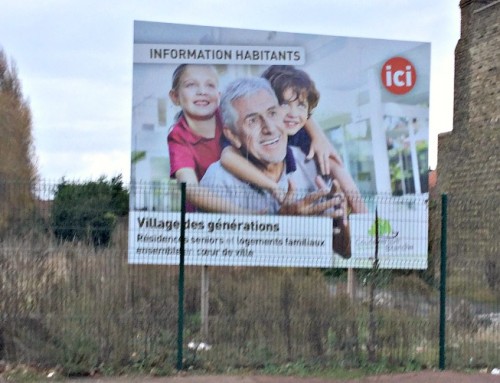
75 61
85 166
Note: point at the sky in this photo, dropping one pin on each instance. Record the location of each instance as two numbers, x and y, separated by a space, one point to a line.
74 60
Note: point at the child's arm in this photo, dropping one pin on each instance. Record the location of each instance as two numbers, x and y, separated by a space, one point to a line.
240 167
204 198
321 148
182 162
348 187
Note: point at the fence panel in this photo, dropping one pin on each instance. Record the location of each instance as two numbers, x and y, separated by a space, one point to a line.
82 306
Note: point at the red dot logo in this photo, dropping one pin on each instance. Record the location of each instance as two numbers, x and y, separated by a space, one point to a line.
398 75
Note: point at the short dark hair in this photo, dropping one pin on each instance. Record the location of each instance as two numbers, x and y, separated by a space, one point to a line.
283 77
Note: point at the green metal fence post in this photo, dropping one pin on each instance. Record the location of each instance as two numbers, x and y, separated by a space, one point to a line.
442 287
180 319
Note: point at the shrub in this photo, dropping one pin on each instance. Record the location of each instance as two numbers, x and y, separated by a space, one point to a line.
88 211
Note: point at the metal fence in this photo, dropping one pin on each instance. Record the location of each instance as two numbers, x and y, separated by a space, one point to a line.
80 305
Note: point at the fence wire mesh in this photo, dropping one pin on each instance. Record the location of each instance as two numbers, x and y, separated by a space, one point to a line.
79 304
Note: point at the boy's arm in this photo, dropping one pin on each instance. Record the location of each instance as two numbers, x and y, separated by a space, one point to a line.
204 198
348 187
321 148
243 169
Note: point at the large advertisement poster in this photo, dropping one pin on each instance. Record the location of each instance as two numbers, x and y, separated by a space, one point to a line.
296 149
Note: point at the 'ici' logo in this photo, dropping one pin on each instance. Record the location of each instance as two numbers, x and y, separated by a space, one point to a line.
398 75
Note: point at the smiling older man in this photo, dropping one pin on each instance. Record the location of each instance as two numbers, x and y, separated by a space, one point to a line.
253 124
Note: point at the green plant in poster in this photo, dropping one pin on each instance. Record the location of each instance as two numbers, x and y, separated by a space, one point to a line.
384 228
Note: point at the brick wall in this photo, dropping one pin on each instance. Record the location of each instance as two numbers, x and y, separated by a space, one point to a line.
468 156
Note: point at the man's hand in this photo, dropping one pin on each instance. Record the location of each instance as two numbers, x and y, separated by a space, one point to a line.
339 211
341 239
315 203
325 201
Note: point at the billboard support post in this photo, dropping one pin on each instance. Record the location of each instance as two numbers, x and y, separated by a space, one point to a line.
442 285
205 283
351 284
180 320
372 325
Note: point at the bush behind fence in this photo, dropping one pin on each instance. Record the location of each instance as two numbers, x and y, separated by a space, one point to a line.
83 307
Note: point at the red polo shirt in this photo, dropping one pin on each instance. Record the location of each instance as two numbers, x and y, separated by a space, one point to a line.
189 150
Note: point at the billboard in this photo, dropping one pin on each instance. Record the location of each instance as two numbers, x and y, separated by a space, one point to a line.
297 149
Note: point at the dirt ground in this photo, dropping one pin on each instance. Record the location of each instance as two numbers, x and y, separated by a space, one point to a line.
413 377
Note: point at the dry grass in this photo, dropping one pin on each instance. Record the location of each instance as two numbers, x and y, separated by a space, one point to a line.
84 308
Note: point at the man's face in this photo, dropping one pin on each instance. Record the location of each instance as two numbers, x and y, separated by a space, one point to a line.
259 127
